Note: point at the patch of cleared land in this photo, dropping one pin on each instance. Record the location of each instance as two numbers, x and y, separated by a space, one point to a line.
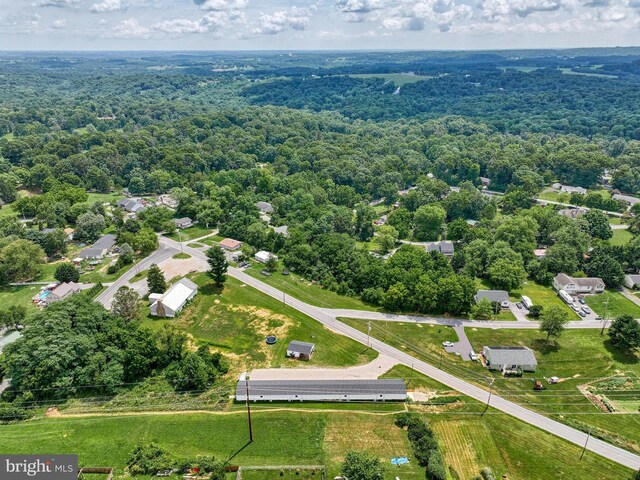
399 79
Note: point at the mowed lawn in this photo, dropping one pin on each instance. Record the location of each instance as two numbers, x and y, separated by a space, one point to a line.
238 319
10 296
191 233
620 237
308 292
612 304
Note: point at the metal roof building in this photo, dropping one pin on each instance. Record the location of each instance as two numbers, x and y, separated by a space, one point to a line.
322 390
505 358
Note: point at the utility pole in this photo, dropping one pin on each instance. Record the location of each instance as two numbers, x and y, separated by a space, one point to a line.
368 334
585 444
606 313
489 398
246 383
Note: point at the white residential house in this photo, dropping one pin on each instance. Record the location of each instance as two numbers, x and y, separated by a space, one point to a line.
627 199
183 223
569 189
510 358
171 302
578 285
263 256
632 280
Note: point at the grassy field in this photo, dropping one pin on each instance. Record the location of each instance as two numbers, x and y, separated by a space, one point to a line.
105 197
280 438
181 256
620 237
237 320
10 296
319 437
302 289
399 79
191 233
212 240
568 71
577 357
618 305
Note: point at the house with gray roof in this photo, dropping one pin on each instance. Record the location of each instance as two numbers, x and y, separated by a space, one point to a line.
131 205
182 223
106 241
282 230
62 291
632 280
569 189
576 285
510 358
92 253
321 390
628 199
499 296
265 207
300 350
572 212
444 247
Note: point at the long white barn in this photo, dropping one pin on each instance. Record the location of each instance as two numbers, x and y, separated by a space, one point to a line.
321 390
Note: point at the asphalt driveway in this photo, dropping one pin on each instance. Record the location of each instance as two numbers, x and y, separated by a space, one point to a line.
462 347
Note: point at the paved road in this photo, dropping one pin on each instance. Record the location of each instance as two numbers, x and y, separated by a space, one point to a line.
330 321
629 294
162 253
568 205
450 322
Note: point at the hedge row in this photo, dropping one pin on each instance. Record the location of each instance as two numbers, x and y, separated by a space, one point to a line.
425 445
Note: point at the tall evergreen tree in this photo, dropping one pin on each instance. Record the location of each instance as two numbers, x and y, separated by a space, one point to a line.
155 280
218 265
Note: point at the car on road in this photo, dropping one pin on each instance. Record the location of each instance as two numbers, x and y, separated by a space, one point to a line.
519 305
581 313
582 301
447 344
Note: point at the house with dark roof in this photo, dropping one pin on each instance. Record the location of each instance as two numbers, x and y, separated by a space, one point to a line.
444 247
300 350
510 358
62 291
575 285
321 390
106 241
131 205
499 296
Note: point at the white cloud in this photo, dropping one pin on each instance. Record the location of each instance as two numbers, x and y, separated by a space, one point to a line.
292 19
211 22
20 24
56 3
60 24
221 5
131 28
500 9
107 6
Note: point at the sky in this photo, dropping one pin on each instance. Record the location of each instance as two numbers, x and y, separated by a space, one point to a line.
316 24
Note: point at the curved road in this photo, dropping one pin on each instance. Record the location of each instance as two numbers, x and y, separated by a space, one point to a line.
328 319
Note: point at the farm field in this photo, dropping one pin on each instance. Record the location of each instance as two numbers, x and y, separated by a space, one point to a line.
304 290
237 320
612 304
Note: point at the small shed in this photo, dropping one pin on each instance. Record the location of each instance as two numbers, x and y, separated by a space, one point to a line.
300 350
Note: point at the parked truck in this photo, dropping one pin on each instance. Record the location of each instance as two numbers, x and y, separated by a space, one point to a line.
565 296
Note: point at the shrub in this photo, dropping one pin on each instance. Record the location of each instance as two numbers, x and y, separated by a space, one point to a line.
148 460
436 469
403 419
487 474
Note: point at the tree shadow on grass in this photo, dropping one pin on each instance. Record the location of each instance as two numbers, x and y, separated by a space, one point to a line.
621 356
211 289
545 347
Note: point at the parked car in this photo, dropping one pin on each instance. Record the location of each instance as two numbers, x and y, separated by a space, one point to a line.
519 305
575 307
581 313
474 356
598 318
447 344
586 309
582 301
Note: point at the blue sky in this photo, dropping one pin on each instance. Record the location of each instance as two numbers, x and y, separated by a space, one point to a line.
320 24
